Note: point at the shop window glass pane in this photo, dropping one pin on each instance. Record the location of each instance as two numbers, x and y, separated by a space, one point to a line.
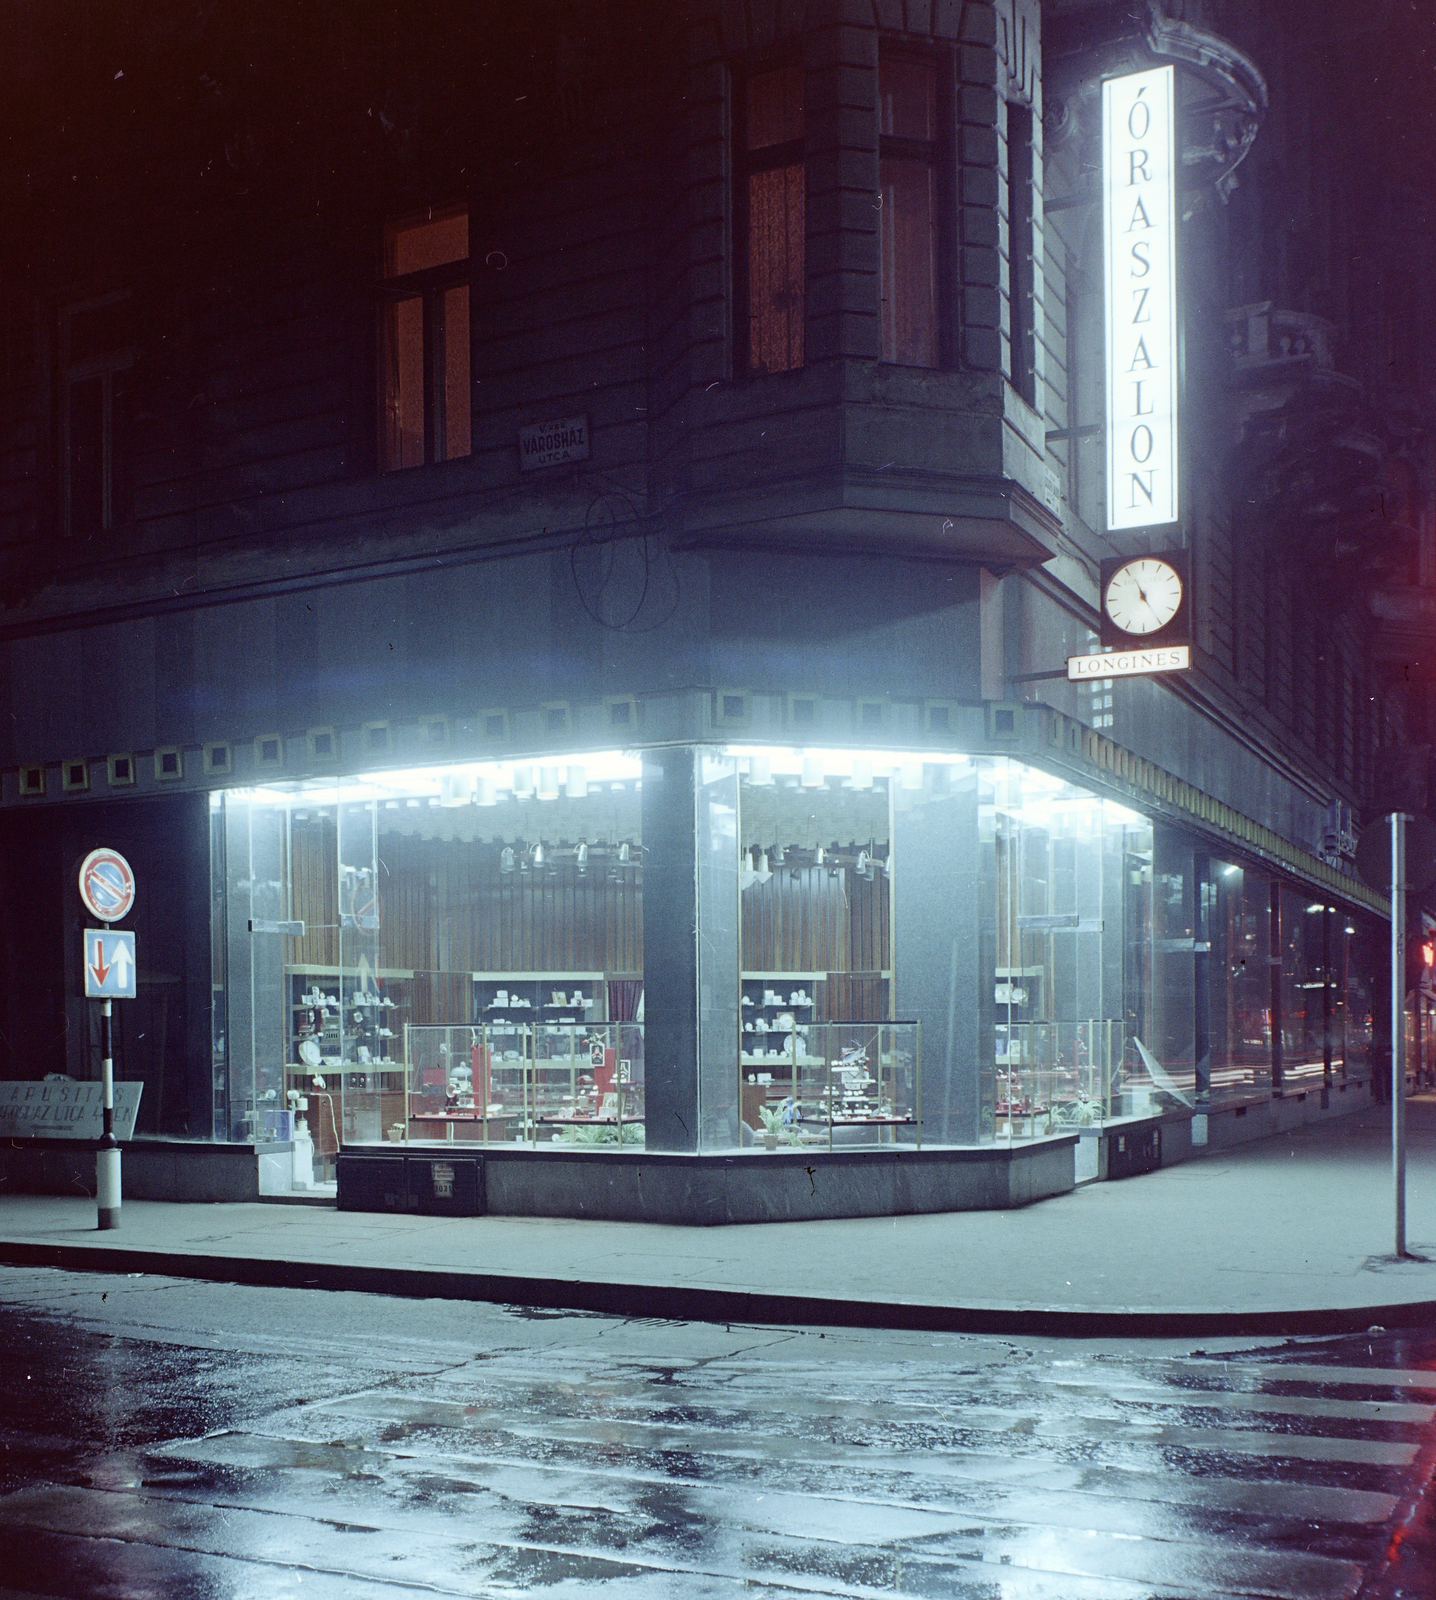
1300 990
1075 962
1164 1002
408 968
821 1061
1239 983
458 419
1363 957
718 950
404 384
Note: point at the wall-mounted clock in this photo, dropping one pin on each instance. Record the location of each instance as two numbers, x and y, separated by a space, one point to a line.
1146 600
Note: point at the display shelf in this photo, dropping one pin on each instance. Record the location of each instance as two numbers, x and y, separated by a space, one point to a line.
356 1020
835 1079
517 1079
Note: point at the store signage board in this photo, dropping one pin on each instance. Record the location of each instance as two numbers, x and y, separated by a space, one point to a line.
107 885
109 964
1139 194
65 1110
550 444
1129 663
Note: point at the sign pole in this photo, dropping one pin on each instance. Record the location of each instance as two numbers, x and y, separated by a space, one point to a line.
107 890
107 1157
1398 1023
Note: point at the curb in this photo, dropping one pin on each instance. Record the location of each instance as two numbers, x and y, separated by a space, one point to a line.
683 1304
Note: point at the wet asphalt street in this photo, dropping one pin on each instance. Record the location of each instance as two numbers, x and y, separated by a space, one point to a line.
178 1439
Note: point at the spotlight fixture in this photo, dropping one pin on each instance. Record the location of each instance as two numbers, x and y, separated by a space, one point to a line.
776 855
506 858
623 853
580 859
865 865
538 856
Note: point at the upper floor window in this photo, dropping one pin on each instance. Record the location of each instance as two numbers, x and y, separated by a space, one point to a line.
1022 249
908 180
96 354
771 221
426 411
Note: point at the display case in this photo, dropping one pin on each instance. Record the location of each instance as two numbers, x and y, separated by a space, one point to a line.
345 1049
514 1080
342 1019
778 1010
838 1084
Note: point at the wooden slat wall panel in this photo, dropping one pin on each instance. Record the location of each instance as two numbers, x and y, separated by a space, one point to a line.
816 923
314 874
448 908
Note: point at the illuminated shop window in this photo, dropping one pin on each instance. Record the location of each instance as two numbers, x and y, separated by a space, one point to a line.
772 220
424 340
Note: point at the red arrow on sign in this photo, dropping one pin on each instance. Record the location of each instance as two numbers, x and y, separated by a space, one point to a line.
97 966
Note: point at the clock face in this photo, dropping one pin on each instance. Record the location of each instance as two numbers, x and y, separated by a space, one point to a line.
1144 595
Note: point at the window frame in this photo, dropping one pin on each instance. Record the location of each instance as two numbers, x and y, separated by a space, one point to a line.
1022 269
940 153
745 163
429 286
105 365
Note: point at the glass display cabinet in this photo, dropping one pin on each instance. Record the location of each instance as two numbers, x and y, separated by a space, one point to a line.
841 1085
527 1082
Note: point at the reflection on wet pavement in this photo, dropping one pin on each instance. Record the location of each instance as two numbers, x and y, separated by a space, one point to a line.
180 1439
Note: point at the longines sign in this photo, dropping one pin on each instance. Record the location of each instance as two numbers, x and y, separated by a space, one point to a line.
1129 663
1139 193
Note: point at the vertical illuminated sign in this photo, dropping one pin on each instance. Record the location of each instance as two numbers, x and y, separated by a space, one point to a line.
1139 195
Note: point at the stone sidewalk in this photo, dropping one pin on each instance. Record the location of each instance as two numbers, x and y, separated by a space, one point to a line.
1290 1235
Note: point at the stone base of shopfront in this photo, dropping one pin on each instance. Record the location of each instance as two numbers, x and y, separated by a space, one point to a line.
151 1169
778 1186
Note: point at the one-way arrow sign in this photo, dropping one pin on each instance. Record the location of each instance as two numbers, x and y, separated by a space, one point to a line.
109 965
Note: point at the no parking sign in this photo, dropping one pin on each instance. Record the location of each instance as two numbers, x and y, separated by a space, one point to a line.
107 885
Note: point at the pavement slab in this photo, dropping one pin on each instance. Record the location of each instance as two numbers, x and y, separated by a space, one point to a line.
1290 1234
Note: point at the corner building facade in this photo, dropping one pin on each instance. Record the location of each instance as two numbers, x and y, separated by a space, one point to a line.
552 543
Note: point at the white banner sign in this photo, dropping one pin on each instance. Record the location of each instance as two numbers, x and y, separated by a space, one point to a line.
1139 190
66 1109
1129 663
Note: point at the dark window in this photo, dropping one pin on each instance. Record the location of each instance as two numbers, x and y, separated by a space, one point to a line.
772 183
424 340
908 179
95 358
1021 252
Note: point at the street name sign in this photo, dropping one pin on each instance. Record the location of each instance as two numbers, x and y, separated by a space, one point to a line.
1129 663
1139 205
65 1109
550 444
109 964
107 885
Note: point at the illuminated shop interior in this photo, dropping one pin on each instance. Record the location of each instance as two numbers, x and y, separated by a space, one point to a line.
896 947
